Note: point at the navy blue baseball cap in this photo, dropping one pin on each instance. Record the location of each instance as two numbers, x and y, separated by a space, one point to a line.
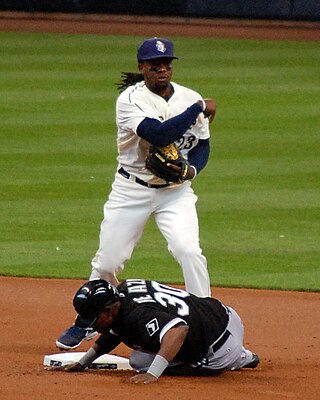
154 48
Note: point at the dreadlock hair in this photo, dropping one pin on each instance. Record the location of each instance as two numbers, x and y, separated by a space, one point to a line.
128 79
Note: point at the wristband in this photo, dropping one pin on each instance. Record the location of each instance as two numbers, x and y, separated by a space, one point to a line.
159 364
88 358
195 171
204 106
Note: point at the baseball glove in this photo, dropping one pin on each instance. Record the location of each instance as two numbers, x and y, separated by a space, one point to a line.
168 163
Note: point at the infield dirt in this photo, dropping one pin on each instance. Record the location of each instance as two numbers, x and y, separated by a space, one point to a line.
282 327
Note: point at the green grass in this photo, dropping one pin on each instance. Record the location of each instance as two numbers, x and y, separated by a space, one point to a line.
259 196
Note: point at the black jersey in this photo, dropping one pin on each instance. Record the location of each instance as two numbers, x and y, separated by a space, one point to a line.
149 309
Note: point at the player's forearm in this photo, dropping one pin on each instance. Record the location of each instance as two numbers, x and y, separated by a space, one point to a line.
172 341
170 345
199 155
92 354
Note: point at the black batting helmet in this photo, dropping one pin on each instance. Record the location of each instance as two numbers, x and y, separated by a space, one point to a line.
92 298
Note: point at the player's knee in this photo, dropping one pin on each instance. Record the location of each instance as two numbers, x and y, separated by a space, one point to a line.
182 251
101 268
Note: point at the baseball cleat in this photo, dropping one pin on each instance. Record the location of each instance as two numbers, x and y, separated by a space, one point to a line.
72 337
254 362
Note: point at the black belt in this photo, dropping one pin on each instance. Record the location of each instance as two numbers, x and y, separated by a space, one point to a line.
217 345
126 175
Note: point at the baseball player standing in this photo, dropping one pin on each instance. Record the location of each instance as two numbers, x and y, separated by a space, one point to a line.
170 330
153 110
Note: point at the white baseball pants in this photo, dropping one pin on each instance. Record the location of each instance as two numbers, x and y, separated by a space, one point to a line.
126 212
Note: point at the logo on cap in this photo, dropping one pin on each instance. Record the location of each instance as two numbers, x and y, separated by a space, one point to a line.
160 46
154 48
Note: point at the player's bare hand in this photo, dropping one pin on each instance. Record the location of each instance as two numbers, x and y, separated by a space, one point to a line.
211 109
143 378
74 367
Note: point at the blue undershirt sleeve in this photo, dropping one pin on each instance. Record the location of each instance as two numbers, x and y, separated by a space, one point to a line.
199 155
163 133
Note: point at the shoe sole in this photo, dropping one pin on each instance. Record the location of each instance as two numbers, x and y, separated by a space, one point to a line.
254 363
62 346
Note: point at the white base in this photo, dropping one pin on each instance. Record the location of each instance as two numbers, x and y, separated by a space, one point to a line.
107 361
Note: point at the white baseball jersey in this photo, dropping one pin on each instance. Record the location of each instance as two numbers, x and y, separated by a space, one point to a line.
137 103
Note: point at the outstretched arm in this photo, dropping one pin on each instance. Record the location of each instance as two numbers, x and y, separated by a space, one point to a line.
92 354
104 344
